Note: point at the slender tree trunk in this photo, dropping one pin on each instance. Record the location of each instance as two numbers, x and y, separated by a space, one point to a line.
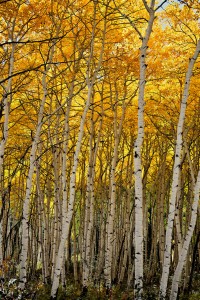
7 98
89 209
138 161
88 221
90 80
68 213
112 200
57 212
25 220
40 218
175 179
185 248
75 254
57 167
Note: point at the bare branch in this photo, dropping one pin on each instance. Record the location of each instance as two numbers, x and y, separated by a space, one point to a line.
159 6
146 5
29 70
130 21
31 42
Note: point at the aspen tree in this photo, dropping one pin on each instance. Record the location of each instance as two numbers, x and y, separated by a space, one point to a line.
138 146
24 251
160 210
41 221
57 157
127 226
90 80
25 220
112 198
5 106
68 213
100 213
10 16
177 219
46 228
185 248
64 173
138 157
89 206
176 173
6 102
66 208
57 210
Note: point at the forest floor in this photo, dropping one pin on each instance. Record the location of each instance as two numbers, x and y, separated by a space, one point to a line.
36 290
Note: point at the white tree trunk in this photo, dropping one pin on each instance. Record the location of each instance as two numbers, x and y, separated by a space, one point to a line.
89 207
138 163
90 80
112 200
175 179
68 211
7 98
32 161
111 216
57 210
185 248
25 226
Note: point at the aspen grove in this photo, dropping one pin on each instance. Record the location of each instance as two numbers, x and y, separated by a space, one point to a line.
99 149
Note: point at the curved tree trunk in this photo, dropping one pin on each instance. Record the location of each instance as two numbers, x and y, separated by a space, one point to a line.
185 248
25 219
90 80
69 209
175 179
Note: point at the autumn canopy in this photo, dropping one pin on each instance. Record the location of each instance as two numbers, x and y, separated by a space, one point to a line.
99 149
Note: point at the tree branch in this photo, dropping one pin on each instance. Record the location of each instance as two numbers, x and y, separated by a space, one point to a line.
146 5
159 6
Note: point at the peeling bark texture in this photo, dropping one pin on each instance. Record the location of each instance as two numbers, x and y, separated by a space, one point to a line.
175 179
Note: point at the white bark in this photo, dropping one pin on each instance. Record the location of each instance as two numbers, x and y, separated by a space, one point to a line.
6 110
40 215
111 214
68 211
25 219
90 80
138 162
175 179
112 201
57 210
89 209
25 226
185 248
